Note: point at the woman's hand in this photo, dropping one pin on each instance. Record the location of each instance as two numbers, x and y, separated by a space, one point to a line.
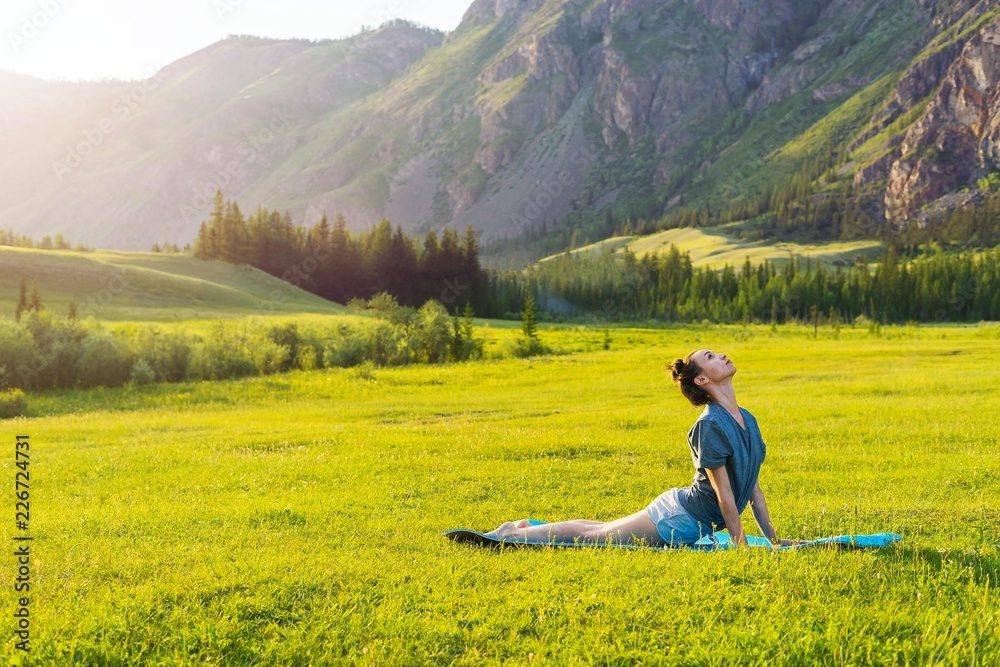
791 543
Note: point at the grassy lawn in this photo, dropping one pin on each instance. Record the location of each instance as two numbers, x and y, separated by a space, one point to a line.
296 519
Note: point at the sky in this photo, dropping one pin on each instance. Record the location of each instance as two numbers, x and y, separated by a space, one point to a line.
131 39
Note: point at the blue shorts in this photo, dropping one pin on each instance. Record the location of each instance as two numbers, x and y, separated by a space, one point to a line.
673 522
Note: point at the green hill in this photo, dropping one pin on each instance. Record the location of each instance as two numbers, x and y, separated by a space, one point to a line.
717 246
113 285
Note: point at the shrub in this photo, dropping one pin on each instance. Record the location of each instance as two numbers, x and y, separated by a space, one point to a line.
102 361
364 371
269 357
383 304
433 334
222 355
381 345
307 358
64 360
284 336
17 349
142 373
343 352
167 353
12 403
522 346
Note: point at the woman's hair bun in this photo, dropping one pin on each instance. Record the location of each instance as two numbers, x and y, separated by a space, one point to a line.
683 373
677 369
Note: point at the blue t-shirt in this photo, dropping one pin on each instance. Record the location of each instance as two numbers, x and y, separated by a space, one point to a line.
717 440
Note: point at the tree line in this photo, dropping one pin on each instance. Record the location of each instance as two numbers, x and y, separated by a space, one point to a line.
8 237
339 265
908 282
921 286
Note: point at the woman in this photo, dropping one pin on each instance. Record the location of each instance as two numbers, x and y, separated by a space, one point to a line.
727 451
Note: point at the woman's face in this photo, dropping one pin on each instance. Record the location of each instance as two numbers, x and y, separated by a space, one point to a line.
716 367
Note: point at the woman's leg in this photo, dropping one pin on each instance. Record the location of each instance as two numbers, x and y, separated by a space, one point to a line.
526 523
631 529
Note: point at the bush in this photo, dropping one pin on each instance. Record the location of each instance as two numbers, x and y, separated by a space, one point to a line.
167 353
382 345
142 373
383 304
222 355
307 358
364 371
12 403
284 336
433 334
269 357
343 352
17 349
102 361
522 346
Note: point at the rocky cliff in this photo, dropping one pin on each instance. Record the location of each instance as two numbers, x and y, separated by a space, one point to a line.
954 141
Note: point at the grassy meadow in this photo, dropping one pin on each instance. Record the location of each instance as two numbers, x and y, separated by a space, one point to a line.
117 286
718 246
296 519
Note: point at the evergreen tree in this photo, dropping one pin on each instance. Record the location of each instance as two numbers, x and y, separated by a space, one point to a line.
528 315
456 346
22 300
467 321
35 300
345 266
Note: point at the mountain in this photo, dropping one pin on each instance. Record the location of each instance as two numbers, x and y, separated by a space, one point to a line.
530 111
125 164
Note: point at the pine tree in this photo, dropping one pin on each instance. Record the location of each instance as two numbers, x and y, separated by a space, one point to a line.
35 300
457 342
22 300
467 323
343 278
528 315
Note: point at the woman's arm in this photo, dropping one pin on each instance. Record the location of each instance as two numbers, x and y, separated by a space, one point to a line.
763 518
761 515
720 482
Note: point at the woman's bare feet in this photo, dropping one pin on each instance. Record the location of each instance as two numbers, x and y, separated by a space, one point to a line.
505 529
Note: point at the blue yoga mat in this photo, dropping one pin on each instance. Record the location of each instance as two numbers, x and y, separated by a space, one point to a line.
715 542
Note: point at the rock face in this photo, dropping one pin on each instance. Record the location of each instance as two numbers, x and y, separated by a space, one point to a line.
956 136
656 72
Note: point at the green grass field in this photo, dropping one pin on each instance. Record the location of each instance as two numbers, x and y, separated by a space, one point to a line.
714 247
296 519
145 286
